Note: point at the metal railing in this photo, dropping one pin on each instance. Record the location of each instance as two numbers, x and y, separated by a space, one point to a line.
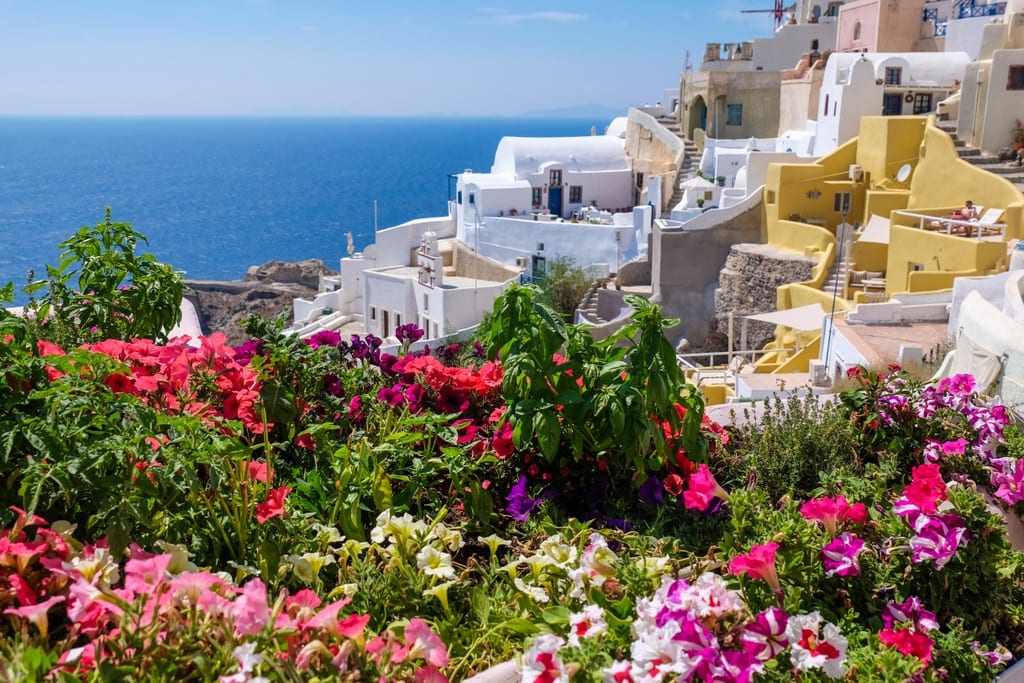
966 9
687 360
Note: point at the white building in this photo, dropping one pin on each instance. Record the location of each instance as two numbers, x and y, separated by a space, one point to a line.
992 95
544 198
869 84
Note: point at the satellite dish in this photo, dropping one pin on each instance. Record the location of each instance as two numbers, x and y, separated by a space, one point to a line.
903 173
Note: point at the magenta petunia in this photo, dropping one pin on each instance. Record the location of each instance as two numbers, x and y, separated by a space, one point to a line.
840 555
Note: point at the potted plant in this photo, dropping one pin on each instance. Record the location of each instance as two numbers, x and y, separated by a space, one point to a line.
700 202
721 180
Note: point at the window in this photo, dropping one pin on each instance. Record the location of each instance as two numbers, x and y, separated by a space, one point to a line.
893 75
1015 79
575 194
842 203
769 196
734 115
922 102
814 45
536 197
398 320
459 198
373 312
472 198
826 104
426 303
856 31
833 9
556 178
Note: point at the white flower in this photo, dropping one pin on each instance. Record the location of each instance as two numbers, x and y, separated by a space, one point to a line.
435 563
813 647
450 538
542 663
536 593
586 624
179 558
560 553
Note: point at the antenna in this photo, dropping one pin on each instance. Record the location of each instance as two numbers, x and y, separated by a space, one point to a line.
777 12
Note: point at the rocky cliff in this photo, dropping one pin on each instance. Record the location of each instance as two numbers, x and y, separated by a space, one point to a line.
266 291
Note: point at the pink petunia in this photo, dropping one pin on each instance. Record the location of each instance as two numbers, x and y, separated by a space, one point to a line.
273 506
759 563
702 489
1009 480
832 512
909 642
37 613
425 644
250 609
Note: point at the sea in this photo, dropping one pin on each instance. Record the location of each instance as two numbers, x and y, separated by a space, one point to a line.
214 196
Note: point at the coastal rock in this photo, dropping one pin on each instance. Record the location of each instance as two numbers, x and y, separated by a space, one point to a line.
266 291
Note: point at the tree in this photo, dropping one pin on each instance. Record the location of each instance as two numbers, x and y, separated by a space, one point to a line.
564 286
102 289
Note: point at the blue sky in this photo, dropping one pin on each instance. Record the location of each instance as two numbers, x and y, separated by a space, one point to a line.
338 57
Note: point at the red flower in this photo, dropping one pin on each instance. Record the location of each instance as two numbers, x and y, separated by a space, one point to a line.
909 642
674 484
273 506
759 563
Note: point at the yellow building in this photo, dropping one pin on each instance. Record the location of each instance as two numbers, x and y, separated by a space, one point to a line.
901 173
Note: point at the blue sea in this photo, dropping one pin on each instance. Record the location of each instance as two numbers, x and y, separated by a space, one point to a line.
215 196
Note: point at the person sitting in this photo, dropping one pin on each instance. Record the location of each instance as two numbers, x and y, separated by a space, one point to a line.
968 213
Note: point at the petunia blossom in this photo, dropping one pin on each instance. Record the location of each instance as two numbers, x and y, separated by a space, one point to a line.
759 563
765 637
273 506
840 555
702 490
833 512
814 646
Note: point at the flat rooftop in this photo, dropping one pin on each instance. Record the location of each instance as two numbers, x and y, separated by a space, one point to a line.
881 342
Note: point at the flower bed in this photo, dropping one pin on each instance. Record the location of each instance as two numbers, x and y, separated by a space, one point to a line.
300 510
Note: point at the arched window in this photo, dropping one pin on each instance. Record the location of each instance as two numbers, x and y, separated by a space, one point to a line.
856 31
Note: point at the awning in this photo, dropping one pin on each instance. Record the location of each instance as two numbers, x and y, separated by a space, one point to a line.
802 318
877 230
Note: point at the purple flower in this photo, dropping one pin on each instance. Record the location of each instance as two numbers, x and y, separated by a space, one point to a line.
651 492
910 613
520 504
246 351
332 385
393 395
938 538
360 350
408 333
765 637
1009 479
324 338
840 555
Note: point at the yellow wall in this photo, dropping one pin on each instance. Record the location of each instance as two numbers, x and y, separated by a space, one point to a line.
936 252
883 201
886 143
943 179
870 256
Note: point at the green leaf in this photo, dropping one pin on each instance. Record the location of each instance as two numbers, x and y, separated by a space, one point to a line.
382 494
521 626
556 615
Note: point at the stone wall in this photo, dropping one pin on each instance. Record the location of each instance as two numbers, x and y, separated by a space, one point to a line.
685 267
747 286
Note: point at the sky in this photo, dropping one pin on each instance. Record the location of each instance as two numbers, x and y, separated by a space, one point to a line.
338 57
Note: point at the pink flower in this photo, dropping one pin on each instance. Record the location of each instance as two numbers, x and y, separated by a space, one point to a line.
702 489
910 613
258 471
273 506
938 538
37 613
425 644
759 563
909 642
814 647
1009 480
250 610
923 493
840 555
832 512
765 637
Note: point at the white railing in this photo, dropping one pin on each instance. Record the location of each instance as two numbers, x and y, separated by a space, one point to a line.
956 226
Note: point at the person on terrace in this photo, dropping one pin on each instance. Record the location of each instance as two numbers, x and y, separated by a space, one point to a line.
969 212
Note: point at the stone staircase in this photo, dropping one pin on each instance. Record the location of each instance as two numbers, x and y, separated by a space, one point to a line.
988 162
688 165
839 274
589 303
